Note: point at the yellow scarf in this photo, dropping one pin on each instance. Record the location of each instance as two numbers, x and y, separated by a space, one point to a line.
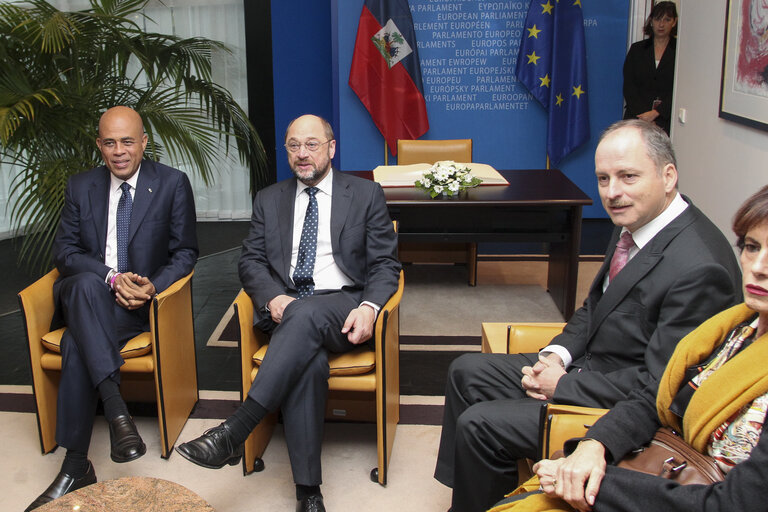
742 379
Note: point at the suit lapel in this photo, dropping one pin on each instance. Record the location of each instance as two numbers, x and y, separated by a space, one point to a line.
340 202
286 203
638 267
650 60
146 189
668 54
99 198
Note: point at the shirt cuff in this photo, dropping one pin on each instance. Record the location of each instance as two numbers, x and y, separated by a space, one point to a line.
560 351
376 307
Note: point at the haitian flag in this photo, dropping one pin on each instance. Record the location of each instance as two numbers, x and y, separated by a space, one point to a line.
552 64
385 71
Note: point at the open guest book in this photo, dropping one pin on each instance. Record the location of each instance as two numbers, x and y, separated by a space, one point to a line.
406 175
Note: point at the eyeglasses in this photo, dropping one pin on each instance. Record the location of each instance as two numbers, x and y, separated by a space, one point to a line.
311 145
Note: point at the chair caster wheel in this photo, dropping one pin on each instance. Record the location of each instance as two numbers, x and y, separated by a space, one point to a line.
375 475
258 465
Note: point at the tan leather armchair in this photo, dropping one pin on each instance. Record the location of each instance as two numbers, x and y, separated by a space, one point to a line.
160 365
559 423
431 151
526 338
363 386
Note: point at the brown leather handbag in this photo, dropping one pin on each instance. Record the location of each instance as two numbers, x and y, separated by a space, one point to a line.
669 456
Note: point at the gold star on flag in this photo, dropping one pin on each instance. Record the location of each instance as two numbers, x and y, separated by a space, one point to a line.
547 8
578 91
533 58
577 2
560 99
544 81
533 32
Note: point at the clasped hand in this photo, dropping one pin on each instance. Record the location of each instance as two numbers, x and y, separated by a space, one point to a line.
540 380
132 291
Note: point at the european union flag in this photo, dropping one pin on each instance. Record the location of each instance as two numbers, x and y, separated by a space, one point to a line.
552 64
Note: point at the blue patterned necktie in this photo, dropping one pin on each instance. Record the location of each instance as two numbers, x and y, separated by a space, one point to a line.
124 208
305 262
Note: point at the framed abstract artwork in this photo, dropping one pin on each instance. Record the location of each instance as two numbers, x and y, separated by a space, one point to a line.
744 81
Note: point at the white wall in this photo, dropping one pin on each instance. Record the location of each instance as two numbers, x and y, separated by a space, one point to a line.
720 162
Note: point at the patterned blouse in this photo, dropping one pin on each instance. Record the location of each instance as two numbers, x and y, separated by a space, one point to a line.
733 441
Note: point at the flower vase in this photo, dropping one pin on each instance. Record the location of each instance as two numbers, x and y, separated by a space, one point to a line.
447 194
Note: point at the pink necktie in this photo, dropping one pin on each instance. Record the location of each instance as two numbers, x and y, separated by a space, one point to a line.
621 254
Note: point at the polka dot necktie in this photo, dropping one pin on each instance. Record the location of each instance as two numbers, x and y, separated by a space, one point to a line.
305 262
124 208
621 254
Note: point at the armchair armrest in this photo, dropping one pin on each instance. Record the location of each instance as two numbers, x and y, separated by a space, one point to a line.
175 368
172 327
531 337
560 423
250 339
37 307
387 339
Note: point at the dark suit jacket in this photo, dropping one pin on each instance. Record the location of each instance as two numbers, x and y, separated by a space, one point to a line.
622 339
363 240
163 240
644 82
631 424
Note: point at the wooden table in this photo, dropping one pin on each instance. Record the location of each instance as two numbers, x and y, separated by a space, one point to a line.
537 206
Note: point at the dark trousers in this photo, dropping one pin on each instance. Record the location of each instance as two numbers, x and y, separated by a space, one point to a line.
90 350
488 424
294 374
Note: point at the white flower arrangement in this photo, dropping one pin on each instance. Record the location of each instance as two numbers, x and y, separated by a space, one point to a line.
447 178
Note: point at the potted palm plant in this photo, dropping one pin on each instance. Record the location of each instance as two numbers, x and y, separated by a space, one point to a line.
61 70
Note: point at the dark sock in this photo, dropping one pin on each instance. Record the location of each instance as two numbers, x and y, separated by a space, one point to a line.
244 420
75 464
302 491
114 405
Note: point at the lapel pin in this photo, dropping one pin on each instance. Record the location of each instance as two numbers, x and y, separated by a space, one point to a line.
150 190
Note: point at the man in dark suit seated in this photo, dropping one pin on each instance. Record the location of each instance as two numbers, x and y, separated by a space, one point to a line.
127 232
318 263
680 270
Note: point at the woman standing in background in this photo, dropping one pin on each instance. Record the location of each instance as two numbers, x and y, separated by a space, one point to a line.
650 67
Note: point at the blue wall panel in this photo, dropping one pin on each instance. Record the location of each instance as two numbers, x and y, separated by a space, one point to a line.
301 61
313 46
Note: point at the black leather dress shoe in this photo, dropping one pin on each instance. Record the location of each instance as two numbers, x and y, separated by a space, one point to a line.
62 484
213 449
125 441
312 503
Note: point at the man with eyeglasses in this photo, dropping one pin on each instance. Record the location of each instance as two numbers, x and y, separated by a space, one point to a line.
318 263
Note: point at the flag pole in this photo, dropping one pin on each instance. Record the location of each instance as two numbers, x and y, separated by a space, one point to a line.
386 155
547 161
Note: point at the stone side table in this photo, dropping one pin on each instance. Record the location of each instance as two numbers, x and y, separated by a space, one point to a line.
130 493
